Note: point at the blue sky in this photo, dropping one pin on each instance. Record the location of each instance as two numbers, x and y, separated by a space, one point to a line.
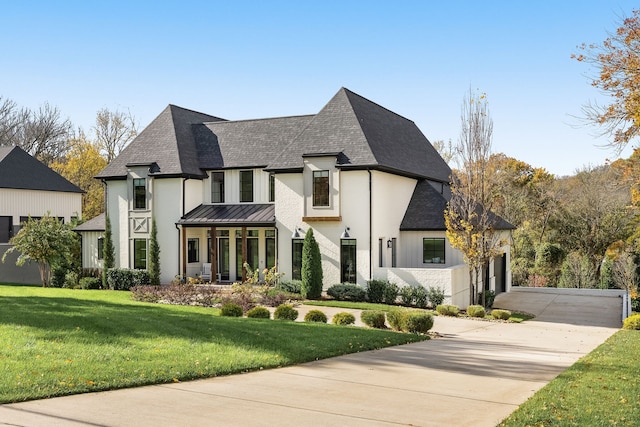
251 59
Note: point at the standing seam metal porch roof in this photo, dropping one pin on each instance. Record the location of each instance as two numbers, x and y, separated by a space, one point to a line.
257 215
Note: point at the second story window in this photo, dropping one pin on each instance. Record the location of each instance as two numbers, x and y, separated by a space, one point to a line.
139 193
272 188
320 188
217 187
246 186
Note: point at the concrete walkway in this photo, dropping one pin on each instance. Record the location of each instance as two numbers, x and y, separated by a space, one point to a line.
476 374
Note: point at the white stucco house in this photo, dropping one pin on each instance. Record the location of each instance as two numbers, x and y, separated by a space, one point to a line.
364 178
28 188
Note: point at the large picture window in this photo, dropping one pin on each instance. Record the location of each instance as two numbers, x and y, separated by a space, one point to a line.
217 187
193 250
348 266
139 193
246 186
433 251
140 254
320 188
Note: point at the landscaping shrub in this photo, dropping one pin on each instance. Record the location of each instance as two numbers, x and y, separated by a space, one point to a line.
632 322
71 280
373 318
436 296
476 311
448 309
347 292
290 286
391 293
311 271
420 297
489 298
205 296
231 310
418 322
146 293
285 312
343 318
90 283
276 297
501 314
406 295
125 279
397 319
259 313
315 316
375 290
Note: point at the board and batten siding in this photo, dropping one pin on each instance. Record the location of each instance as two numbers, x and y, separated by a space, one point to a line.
18 202
90 249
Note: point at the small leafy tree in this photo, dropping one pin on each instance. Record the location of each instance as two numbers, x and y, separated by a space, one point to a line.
46 241
154 255
109 255
311 267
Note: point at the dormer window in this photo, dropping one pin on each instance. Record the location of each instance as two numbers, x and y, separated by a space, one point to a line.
217 187
246 186
139 193
321 188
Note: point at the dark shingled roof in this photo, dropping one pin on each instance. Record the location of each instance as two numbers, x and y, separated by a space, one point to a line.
259 215
168 141
19 170
426 211
366 135
94 224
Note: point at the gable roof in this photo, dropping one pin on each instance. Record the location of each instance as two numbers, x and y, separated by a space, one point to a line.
19 170
97 223
360 133
366 135
168 142
426 211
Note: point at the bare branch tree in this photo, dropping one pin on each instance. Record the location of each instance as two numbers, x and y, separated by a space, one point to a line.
11 118
44 134
114 130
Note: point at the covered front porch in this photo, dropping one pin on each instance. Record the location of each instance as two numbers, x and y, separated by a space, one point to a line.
226 237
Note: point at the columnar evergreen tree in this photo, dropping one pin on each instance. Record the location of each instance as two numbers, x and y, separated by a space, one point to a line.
154 256
311 267
109 256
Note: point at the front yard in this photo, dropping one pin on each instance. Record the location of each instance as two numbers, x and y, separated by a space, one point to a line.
56 342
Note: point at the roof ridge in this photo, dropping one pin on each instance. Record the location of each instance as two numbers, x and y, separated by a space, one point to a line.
171 106
376 104
261 119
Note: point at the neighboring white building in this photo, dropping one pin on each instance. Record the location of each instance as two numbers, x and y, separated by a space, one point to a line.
28 188
364 178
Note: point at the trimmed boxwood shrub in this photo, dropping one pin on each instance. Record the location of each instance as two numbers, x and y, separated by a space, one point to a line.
125 279
315 316
418 322
391 293
285 312
397 319
436 296
347 292
420 297
632 322
448 309
501 314
375 290
406 295
259 313
373 318
476 311
343 318
231 309
290 286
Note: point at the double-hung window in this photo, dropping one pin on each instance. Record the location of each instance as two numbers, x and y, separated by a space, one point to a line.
246 186
193 250
140 254
321 188
139 193
217 187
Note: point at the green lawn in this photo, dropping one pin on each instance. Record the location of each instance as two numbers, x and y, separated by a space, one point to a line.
601 389
57 341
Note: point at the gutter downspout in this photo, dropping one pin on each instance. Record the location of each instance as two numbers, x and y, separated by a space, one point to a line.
370 227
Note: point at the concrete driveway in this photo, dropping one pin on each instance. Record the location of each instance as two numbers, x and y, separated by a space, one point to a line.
476 374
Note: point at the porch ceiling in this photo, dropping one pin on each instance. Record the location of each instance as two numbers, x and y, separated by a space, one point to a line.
257 215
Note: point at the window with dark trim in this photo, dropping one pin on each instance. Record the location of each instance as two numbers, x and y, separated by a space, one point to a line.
433 251
246 186
100 248
140 254
296 259
193 249
270 247
348 266
217 187
139 193
320 188
272 188
380 253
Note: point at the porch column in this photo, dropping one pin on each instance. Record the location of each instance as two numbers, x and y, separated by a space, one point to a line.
183 231
244 253
214 255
